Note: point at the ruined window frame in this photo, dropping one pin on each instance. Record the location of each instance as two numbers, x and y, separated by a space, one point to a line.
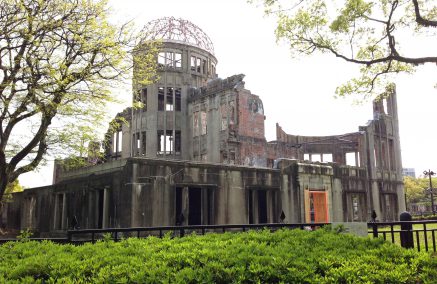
178 60
169 101
193 63
161 98
178 99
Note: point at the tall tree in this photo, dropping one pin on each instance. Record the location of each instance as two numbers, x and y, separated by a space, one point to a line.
58 61
370 33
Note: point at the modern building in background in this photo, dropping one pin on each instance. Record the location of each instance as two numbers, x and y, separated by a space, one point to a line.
409 172
196 153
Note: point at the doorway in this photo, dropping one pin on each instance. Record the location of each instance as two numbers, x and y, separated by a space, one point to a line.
316 206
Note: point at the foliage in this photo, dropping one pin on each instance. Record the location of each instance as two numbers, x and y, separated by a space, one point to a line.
25 235
15 186
416 189
287 256
370 33
59 60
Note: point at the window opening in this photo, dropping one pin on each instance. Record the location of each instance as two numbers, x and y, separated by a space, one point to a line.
351 159
169 103
178 99
59 211
161 58
160 98
262 206
144 98
119 141
391 154
178 60
101 195
198 65
327 158
177 143
306 157
138 144
143 143
165 142
178 207
114 142
169 59
316 157
193 63
204 66
194 206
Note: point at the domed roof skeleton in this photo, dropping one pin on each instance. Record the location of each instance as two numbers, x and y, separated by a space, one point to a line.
179 30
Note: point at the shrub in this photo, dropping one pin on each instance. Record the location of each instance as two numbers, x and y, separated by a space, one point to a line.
290 256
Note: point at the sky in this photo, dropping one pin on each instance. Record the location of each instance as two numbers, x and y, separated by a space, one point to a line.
298 93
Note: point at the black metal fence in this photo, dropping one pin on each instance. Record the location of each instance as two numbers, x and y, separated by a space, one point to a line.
92 235
420 235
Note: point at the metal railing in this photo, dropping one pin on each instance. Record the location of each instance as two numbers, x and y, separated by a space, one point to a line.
92 235
409 234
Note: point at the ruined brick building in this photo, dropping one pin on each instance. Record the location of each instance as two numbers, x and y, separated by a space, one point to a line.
196 153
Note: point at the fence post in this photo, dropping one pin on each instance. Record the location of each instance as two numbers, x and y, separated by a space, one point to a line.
406 230
375 230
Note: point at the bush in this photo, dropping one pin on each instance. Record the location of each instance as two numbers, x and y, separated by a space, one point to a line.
288 256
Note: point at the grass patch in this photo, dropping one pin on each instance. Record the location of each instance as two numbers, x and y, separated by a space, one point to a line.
290 256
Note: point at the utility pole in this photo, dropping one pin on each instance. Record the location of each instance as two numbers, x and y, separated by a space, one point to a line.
430 173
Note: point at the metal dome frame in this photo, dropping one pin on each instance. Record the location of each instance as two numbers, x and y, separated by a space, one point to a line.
179 30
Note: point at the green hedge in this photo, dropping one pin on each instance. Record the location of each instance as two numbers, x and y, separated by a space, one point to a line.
290 256
424 218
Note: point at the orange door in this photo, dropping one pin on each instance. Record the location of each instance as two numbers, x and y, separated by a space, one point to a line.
316 207
320 207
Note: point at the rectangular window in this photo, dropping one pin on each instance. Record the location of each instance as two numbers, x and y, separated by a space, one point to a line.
178 99
204 66
160 98
120 139
169 102
351 159
327 158
178 60
193 63
169 59
177 142
316 157
114 142
198 65
165 142
143 143
161 58
306 157
138 144
204 123
144 98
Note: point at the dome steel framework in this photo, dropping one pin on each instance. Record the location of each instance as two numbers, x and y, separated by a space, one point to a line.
179 30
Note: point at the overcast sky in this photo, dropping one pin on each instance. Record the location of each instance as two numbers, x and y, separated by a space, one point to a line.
297 93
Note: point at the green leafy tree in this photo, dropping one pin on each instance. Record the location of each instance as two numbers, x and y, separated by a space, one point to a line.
369 33
416 190
59 60
12 187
